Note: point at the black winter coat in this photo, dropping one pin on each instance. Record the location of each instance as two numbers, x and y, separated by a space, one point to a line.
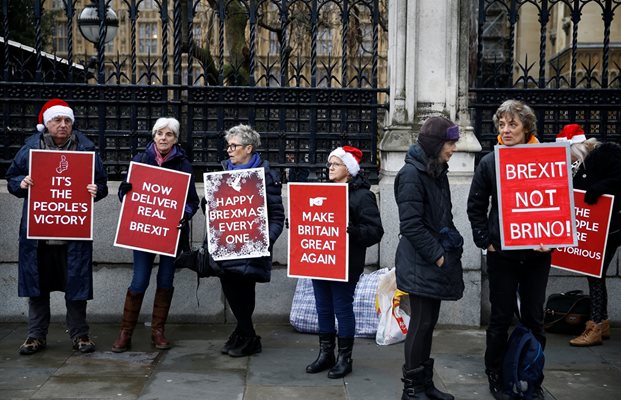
486 225
427 232
259 269
365 224
600 173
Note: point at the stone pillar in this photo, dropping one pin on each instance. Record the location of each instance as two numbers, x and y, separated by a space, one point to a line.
428 61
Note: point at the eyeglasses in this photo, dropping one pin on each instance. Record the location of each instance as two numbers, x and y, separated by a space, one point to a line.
234 146
334 164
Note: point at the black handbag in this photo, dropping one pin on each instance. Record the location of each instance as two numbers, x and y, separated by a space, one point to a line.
567 312
199 261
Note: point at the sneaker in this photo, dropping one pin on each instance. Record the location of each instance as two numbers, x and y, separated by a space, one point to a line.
230 343
31 346
246 346
83 344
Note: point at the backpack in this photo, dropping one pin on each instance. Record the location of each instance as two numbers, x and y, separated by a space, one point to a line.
522 370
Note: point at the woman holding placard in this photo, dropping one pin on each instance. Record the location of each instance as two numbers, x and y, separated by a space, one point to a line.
164 152
337 298
241 275
596 168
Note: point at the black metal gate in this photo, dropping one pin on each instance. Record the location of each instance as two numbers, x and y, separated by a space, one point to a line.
305 76
562 57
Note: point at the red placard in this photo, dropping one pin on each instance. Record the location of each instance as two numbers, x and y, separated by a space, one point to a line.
236 213
318 240
151 211
592 223
535 196
59 206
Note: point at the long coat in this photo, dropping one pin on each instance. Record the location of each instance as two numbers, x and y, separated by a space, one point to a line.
427 232
259 269
365 224
79 252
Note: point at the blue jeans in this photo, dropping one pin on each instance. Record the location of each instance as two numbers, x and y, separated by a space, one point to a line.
335 298
143 264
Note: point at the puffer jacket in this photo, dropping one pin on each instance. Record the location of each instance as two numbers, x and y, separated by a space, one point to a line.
486 226
79 252
259 269
365 224
427 232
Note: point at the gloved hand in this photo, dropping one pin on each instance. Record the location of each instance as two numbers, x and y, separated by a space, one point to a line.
353 230
591 196
203 204
124 188
183 221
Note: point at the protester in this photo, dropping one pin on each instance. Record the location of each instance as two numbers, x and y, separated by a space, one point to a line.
509 271
335 297
428 259
54 265
241 275
596 169
164 152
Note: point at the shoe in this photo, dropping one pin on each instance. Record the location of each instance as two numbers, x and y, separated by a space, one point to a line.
606 329
246 346
592 336
430 388
495 385
83 344
31 346
325 360
414 384
539 394
344 362
230 343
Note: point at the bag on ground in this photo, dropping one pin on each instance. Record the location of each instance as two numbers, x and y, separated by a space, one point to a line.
393 320
522 370
567 312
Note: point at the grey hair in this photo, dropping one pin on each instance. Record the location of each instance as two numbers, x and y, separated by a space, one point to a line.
516 108
580 151
246 135
170 123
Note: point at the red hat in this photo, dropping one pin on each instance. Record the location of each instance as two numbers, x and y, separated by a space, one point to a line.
51 109
572 133
351 157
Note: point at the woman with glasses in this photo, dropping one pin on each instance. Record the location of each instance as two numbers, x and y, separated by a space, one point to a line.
337 298
241 275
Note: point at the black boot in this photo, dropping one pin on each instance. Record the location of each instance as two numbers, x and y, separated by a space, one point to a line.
495 385
343 361
414 384
325 359
430 389
246 346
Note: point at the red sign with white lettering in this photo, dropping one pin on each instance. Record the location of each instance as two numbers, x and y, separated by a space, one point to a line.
236 212
318 240
59 205
592 222
535 196
151 211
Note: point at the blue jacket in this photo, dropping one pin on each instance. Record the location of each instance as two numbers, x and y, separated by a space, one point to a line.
178 162
260 269
427 232
79 252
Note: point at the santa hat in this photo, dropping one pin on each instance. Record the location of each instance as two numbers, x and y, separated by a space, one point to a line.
51 109
350 156
572 133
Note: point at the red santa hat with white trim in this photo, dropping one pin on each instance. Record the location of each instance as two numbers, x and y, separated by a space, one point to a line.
350 156
572 133
51 109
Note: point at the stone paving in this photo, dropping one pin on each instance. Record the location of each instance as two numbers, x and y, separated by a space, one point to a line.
195 369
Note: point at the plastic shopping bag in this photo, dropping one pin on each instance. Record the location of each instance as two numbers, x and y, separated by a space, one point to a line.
393 321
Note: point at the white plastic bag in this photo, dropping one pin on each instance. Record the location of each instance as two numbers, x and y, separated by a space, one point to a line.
393 321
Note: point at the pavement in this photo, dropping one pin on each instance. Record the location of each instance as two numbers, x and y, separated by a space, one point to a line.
195 369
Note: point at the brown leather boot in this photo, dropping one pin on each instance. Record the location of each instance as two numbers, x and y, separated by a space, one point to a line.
131 311
161 305
606 329
592 336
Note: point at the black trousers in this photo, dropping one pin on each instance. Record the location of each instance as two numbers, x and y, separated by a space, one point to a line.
425 312
507 277
240 294
597 286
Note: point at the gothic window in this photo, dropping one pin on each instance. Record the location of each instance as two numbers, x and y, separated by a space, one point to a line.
147 38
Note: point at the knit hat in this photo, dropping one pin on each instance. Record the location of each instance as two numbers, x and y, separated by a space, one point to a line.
572 133
51 109
434 132
351 157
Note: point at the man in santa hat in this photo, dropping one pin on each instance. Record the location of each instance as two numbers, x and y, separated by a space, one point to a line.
54 265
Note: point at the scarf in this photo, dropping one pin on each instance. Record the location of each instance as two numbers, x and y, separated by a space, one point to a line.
255 161
159 159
